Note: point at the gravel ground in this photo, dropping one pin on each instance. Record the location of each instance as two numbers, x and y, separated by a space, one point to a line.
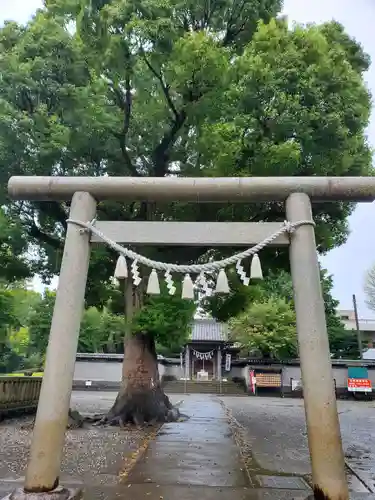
275 431
93 454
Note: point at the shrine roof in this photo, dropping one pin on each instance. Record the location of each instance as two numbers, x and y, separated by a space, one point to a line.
208 330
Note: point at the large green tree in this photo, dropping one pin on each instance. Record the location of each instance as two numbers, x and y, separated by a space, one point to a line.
193 88
267 328
9 359
13 247
277 286
14 266
102 330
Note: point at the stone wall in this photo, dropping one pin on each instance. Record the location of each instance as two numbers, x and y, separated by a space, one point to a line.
104 371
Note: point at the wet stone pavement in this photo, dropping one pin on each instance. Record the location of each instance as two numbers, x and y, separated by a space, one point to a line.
228 449
274 438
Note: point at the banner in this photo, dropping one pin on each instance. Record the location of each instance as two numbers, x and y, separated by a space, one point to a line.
228 362
253 381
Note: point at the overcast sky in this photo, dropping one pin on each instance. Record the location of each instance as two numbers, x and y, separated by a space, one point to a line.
349 263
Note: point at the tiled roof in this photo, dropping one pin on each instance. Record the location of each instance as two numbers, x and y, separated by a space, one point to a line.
209 330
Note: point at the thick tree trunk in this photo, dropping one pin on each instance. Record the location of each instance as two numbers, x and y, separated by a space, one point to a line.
141 398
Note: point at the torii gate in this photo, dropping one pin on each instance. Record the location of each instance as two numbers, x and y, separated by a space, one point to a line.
327 458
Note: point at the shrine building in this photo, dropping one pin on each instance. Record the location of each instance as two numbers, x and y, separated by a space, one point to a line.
205 355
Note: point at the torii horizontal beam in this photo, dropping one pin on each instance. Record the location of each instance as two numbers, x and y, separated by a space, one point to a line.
190 233
190 189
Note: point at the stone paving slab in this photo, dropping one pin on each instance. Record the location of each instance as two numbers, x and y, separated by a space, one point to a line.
182 463
203 432
196 452
282 482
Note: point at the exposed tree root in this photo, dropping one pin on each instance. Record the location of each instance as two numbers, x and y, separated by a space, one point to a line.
140 407
75 421
133 410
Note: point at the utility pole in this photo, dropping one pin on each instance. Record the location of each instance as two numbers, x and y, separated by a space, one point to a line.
357 327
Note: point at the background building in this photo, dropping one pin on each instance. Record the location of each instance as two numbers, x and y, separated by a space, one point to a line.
366 327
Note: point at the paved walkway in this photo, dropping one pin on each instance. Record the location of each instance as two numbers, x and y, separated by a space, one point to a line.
199 458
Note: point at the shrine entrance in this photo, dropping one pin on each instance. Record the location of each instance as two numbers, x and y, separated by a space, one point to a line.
203 369
83 193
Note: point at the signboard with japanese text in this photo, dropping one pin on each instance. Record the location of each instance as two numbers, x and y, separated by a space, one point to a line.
358 379
359 385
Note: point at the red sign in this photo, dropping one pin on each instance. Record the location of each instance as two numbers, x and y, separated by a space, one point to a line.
359 384
252 381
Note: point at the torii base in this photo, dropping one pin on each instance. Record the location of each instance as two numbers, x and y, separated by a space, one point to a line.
57 494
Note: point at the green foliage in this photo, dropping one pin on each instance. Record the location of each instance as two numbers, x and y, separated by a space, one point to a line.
101 331
40 323
343 343
224 307
19 340
167 318
10 359
149 87
268 328
13 246
278 285
24 303
25 333
34 361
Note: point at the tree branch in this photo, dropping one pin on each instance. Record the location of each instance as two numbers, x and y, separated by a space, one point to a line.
35 232
164 86
232 31
127 106
124 102
160 153
54 210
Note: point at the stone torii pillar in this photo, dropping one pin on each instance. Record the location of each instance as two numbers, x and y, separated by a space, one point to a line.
323 428
42 475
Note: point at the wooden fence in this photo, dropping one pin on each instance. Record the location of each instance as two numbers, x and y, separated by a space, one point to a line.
19 394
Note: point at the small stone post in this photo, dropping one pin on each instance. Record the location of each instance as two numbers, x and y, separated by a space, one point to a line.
43 470
323 429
